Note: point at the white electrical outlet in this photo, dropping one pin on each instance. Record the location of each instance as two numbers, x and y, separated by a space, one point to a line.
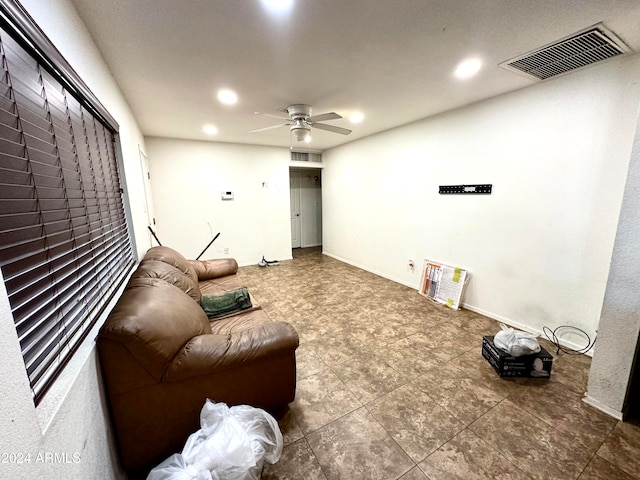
226 250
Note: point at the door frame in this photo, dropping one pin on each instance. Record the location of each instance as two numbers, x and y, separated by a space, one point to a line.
308 206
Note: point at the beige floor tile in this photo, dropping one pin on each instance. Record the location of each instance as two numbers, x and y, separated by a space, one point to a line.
352 323
357 447
308 362
622 448
296 463
289 427
570 370
459 391
415 421
563 410
468 457
336 348
368 377
410 356
320 399
473 363
476 324
600 469
531 444
414 474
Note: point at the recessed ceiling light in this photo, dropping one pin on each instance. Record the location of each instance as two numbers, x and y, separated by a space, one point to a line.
278 6
356 117
210 129
468 68
228 97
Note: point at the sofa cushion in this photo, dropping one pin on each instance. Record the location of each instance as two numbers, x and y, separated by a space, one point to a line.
216 268
218 286
170 274
154 320
172 257
244 320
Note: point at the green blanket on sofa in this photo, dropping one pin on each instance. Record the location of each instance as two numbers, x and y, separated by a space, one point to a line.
216 306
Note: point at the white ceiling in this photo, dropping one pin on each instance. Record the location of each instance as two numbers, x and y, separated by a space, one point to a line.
391 60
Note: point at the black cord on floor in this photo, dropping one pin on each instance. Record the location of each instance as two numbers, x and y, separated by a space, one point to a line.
553 338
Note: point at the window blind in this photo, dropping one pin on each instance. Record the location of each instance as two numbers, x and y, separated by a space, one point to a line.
64 242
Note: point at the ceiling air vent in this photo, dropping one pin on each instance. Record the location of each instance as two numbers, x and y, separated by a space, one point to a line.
579 50
306 157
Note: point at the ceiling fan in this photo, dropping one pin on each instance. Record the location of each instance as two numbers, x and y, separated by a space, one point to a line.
300 121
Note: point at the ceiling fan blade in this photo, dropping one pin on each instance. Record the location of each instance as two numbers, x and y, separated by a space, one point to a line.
331 128
269 128
324 116
272 116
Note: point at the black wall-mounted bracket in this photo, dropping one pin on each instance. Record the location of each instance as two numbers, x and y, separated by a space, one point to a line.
484 188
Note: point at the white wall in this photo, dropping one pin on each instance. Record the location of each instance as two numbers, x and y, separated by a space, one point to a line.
68 435
187 178
539 246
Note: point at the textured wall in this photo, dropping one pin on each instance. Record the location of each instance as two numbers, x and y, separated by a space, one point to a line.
619 328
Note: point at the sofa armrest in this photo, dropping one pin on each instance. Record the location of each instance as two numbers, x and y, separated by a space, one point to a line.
210 353
208 269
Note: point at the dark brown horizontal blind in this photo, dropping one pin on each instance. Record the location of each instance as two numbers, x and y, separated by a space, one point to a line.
64 242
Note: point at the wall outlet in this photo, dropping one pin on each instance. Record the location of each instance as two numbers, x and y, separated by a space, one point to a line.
226 250
411 264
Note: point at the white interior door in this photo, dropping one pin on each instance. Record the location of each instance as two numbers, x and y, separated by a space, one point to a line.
294 191
310 208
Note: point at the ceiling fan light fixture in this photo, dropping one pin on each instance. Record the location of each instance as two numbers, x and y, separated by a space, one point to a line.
300 131
300 122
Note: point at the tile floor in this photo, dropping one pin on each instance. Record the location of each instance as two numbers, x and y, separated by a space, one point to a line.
393 386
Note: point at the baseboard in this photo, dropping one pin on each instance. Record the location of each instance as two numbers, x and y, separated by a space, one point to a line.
603 408
375 272
486 313
526 328
250 264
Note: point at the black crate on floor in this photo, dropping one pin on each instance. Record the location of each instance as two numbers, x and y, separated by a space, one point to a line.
537 365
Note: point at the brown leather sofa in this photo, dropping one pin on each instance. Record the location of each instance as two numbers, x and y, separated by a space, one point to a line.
161 357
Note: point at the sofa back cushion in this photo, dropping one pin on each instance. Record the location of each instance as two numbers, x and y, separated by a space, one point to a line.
170 274
153 320
173 258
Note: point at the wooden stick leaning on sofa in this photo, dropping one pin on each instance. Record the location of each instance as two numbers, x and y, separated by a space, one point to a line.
161 357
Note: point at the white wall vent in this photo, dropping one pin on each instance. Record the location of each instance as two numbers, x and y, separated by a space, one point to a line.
579 50
306 157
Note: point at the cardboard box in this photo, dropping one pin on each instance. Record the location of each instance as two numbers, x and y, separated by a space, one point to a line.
537 365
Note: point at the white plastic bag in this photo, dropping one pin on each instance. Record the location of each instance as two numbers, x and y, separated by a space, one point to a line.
232 444
515 342
175 468
263 431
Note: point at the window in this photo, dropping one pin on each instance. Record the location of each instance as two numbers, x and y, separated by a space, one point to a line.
64 242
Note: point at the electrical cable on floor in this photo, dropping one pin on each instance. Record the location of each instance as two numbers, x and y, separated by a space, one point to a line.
553 338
